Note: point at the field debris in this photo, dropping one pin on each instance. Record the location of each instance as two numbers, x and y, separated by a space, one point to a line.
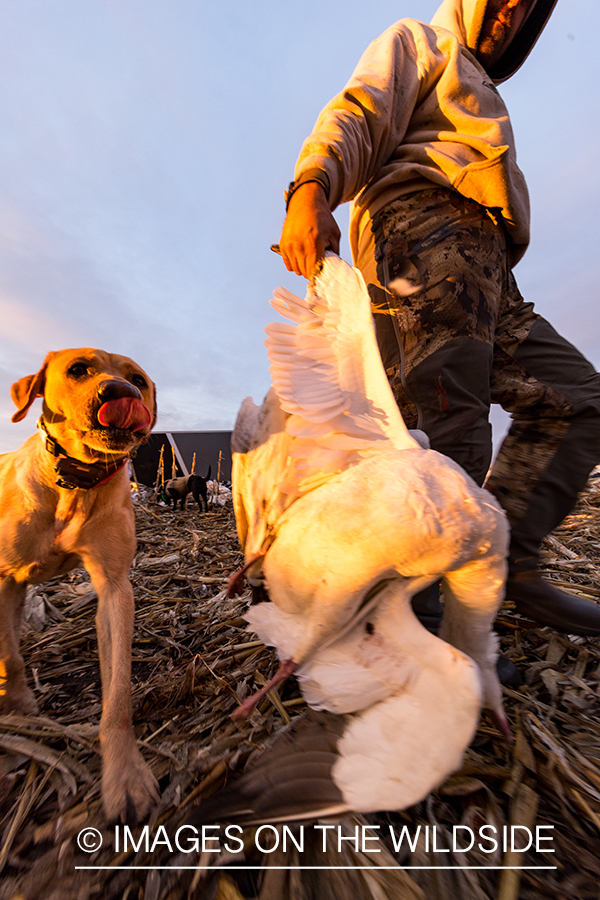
194 661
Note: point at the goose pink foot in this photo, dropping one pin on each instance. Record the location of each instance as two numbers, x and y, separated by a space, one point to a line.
235 582
502 723
286 668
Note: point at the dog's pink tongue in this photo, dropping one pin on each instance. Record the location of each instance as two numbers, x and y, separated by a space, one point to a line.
126 412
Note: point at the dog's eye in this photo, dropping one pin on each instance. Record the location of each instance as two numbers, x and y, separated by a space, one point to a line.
77 370
139 381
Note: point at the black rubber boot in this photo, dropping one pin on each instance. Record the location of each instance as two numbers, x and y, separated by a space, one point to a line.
541 601
507 672
428 608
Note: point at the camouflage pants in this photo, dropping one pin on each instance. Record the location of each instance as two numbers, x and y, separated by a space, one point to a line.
455 335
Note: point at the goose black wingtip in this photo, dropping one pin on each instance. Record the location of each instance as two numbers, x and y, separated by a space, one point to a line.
290 781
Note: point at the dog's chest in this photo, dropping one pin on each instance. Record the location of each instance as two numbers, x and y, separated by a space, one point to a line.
39 560
55 563
43 545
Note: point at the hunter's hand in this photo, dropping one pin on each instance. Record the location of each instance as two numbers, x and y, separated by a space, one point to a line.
308 231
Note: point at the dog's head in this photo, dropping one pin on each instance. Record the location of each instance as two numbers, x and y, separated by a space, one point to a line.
100 400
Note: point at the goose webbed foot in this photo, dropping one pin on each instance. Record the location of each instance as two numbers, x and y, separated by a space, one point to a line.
286 668
502 723
235 582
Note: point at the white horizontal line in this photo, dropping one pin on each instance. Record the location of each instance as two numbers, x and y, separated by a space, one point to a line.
311 868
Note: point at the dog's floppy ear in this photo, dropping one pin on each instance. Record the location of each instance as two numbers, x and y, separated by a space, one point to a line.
25 390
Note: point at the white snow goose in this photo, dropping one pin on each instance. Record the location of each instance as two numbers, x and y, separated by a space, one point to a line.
344 516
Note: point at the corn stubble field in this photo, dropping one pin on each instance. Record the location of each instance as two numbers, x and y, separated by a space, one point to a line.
193 662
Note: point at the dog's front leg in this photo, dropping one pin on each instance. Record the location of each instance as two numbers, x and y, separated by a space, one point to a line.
129 789
15 695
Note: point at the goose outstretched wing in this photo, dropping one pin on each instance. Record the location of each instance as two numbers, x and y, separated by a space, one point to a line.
328 376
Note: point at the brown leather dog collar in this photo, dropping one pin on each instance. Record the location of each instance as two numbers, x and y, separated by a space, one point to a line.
72 474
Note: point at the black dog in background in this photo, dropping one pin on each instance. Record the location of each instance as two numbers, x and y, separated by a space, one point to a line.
178 489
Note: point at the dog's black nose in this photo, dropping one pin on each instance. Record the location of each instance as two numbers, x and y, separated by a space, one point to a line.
114 389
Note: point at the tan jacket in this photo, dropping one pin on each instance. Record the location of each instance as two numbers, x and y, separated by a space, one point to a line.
420 109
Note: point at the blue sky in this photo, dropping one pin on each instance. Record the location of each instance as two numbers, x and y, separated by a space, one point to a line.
144 151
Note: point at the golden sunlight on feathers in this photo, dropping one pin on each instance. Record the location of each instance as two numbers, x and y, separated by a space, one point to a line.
344 516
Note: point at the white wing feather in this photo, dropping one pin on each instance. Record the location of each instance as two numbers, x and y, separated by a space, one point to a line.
328 374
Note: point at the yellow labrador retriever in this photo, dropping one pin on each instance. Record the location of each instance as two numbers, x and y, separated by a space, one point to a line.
65 501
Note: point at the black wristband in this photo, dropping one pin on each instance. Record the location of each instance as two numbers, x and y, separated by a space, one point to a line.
312 175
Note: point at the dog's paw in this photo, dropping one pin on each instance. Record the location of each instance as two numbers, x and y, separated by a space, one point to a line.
18 699
129 789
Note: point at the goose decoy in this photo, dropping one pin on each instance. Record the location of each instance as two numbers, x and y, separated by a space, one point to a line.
343 517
